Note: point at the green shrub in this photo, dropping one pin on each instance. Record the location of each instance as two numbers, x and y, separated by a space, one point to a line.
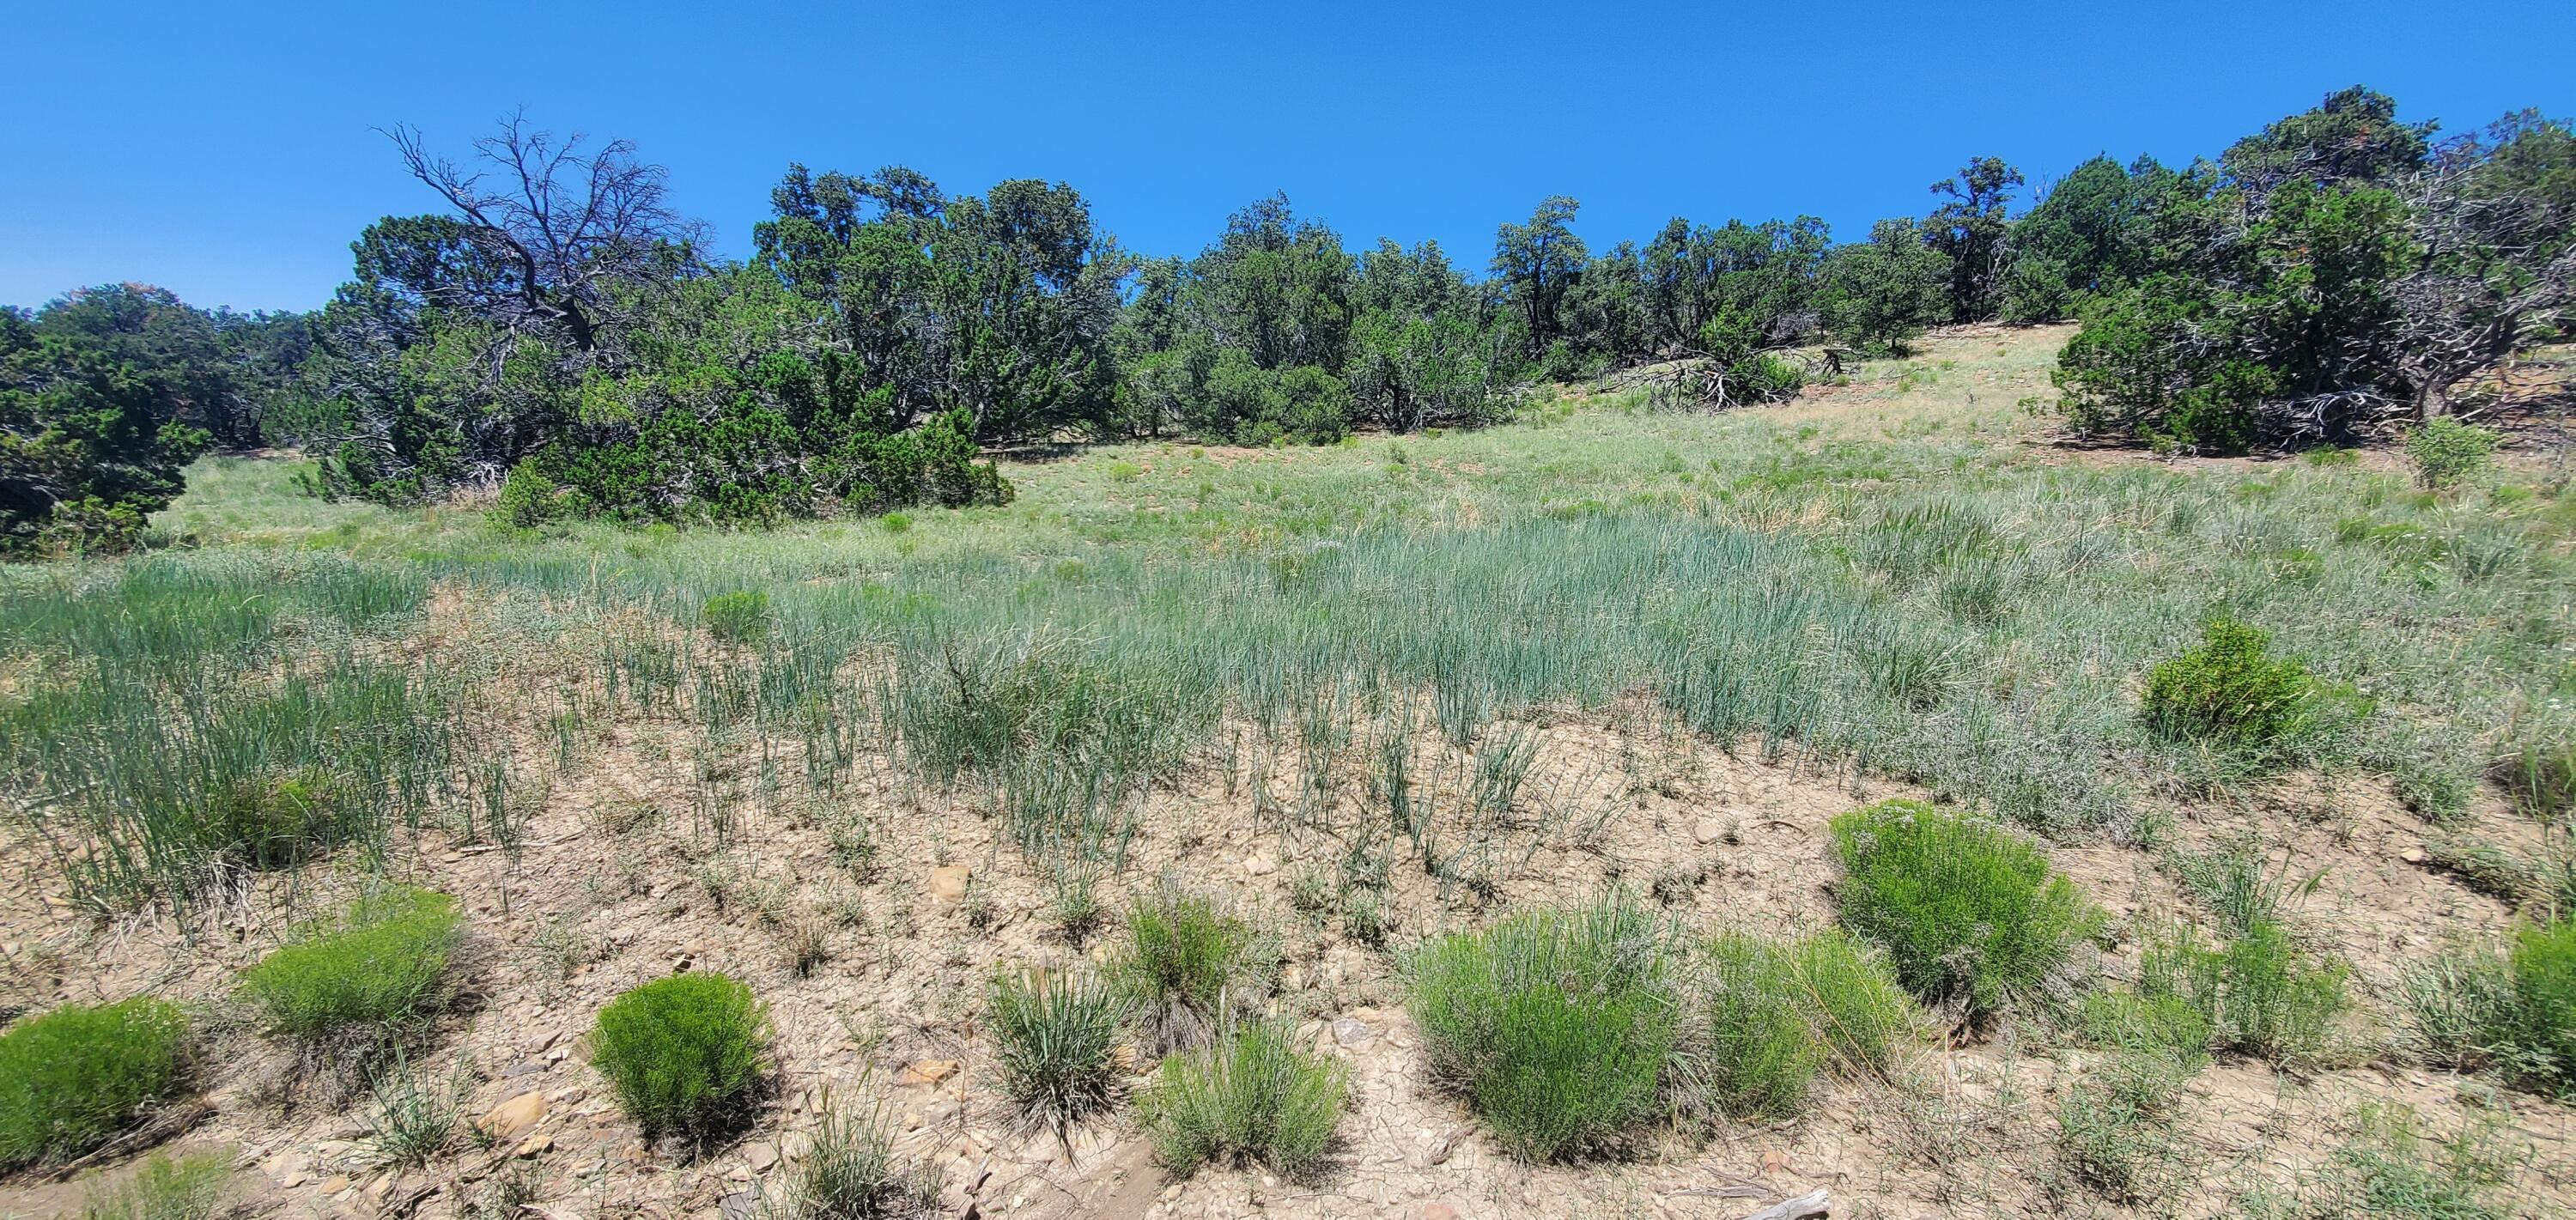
2433 791
2540 776
530 498
2115 1127
410 1120
72 1077
2127 1020
849 1172
196 1186
2261 994
2514 1010
1252 1097
276 822
1056 1037
2391 1167
2446 451
1182 954
2226 691
380 964
1970 914
2543 1021
686 1054
1555 1024
1765 1017
2236 881
737 617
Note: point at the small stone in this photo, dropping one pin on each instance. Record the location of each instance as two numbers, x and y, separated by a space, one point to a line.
1707 831
533 1145
761 1156
741 1204
923 1073
2413 855
1350 1032
1259 866
335 1184
948 883
513 1117
912 1120
1439 1211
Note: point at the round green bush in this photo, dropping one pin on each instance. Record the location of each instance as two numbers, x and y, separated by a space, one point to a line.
381 963
1970 913
1254 1096
685 1054
737 617
74 1076
2226 690
1555 1025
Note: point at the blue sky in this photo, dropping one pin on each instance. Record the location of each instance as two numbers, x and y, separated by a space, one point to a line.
226 151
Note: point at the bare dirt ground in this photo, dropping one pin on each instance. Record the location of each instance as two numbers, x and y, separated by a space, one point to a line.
614 887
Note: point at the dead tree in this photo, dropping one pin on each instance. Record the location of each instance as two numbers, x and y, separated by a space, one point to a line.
561 228
2494 265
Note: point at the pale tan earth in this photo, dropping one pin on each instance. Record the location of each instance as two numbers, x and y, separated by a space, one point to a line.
892 1014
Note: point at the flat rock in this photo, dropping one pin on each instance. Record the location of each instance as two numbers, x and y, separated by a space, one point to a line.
513 1117
1707 831
948 882
1350 1031
923 1073
760 1155
1259 866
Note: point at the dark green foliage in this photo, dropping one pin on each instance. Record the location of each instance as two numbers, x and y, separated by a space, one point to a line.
1555 1025
2092 233
2333 275
2229 691
225 372
1056 1039
1879 294
72 1077
376 967
737 617
1971 914
90 442
1253 1097
1768 273
2139 368
686 1054
1536 266
1000 305
642 385
1969 230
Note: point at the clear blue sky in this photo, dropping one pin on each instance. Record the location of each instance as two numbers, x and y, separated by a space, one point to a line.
224 151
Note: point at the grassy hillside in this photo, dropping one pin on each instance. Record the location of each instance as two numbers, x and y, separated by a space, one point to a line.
1363 696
